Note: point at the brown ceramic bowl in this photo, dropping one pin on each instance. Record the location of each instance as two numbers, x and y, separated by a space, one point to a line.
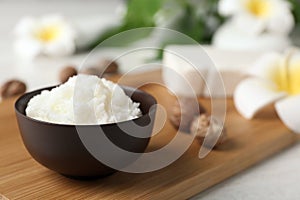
60 148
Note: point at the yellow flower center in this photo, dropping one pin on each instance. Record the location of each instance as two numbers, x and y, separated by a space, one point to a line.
48 33
287 77
258 8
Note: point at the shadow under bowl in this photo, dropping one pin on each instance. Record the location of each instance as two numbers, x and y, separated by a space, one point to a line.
87 151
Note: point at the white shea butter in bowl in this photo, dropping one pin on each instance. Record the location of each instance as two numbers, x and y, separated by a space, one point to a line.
83 100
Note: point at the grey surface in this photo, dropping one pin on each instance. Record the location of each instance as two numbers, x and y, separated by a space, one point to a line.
277 178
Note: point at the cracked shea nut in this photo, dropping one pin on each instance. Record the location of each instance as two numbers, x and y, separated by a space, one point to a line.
12 88
200 127
66 73
183 112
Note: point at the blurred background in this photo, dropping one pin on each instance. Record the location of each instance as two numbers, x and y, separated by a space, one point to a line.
38 37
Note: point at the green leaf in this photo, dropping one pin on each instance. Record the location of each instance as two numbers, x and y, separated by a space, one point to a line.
296 10
140 13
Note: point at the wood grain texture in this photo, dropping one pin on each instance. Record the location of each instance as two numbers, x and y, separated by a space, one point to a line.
249 142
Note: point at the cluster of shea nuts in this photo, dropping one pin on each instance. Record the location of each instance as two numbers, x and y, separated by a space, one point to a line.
103 68
188 115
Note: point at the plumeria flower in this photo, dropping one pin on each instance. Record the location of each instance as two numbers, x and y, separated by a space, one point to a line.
259 16
275 80
49 35
231 37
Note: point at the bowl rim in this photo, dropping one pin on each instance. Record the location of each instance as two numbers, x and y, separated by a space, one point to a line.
81 125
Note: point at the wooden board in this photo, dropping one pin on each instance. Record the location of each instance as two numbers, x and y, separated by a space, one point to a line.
250 142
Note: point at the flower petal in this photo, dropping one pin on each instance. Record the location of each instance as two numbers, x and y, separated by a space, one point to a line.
254 94
229 7
25 27
62 48
52 19
230 37
27 48
266 65
293 61
288 111
281 21
249 24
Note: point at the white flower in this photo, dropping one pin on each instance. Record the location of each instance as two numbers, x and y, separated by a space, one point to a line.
231 37
276 80
258 16
50 35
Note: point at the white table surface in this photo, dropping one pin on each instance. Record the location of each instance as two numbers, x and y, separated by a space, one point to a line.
274 179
